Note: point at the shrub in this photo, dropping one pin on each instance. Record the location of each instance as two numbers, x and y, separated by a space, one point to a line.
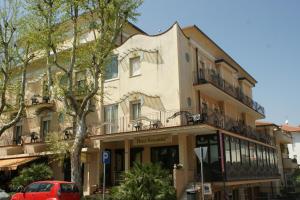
36 172
145 182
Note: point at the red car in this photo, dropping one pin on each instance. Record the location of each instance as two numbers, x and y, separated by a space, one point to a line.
48 190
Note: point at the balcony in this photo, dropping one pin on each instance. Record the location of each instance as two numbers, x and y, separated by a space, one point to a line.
209 81
38 103
10 150
289 163
164 119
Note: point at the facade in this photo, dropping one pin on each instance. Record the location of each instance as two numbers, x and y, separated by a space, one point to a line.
166 94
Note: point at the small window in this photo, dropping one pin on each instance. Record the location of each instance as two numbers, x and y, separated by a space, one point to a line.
111 70
135 110
135 66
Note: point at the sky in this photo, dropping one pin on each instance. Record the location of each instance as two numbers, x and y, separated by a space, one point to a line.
263 36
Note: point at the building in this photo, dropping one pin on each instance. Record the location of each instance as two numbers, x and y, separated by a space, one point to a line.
168 94
294 148
286 165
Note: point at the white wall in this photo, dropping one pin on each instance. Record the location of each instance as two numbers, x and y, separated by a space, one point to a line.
294 149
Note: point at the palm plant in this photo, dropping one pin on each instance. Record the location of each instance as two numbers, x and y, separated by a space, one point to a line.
145 182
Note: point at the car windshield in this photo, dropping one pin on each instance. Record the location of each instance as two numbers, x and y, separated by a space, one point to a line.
39 187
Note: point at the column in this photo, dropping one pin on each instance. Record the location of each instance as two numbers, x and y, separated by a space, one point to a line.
127 154
94 169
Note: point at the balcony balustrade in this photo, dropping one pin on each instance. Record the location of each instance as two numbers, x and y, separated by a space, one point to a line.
211 76
163 119
237 171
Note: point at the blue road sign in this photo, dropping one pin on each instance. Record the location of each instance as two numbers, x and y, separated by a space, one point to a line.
106 157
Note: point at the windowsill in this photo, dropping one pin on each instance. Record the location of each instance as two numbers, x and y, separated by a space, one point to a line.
135 75
111 80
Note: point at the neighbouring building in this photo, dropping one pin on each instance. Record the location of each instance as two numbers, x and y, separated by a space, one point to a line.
168 94
286 165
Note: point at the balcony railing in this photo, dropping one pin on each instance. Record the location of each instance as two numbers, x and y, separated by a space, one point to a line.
211 76
160 119
163 119
241 172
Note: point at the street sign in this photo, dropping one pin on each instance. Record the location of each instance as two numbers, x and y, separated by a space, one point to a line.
198 152
201 153
106 157
207 189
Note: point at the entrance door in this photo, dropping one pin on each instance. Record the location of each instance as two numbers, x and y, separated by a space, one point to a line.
165 156
119 165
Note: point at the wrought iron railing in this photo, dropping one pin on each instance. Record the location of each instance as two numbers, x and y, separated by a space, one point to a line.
211 76
237 171
163 119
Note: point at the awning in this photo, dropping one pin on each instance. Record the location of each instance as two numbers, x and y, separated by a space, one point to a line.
13 163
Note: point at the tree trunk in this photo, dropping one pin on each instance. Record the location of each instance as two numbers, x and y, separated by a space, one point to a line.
76 173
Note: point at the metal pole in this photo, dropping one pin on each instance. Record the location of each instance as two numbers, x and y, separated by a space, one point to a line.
202 185
103 191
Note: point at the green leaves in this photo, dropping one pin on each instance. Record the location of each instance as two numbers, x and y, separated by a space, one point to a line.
145 182
36 172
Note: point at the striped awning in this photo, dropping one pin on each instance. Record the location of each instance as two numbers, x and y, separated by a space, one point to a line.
13 163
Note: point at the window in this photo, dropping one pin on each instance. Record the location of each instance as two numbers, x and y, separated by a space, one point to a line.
238 151
260 155
245 152
253 157
17 133
111 119
45 127
81 82
165 156
112 70
135 110
68 188
227 149
39 187
135 66
233 151
136 156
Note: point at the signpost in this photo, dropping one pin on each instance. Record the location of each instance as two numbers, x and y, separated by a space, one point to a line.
201 152
105 160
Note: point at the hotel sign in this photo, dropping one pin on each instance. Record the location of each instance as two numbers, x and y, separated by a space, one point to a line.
160 139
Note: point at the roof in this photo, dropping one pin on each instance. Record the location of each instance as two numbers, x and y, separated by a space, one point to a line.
289 128
263 123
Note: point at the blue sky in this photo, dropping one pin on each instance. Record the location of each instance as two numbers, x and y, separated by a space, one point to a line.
261 35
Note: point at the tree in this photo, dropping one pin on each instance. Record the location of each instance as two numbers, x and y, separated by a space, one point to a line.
145 182
36 172
14 58
105 19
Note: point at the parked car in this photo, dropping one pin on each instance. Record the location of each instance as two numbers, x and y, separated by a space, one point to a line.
3 195
48 190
